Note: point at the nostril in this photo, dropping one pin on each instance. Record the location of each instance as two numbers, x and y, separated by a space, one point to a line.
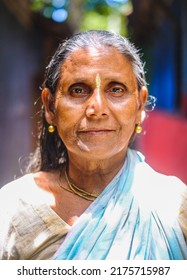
97 105
96 112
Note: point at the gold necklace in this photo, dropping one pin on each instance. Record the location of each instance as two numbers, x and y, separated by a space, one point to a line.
78 191
65 189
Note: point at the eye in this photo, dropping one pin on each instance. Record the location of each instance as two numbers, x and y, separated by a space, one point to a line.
79 90
117 90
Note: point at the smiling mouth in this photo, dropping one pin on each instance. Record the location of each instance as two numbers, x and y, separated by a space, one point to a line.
96 131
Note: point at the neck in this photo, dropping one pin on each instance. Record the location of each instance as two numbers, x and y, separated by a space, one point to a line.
93 176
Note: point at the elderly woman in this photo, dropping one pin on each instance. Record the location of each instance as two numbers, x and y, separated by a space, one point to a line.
88 195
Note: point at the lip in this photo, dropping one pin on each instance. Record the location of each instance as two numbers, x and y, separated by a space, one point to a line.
96 131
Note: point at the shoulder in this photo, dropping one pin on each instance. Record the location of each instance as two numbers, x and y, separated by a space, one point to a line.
20 197
17 189
158 181
25 217
13 202
30 188
161 192
17 197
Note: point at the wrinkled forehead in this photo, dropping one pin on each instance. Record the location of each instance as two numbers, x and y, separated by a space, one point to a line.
92 56
96 65
91 52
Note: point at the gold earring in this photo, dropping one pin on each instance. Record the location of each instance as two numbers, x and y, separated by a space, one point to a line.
51 128
138 129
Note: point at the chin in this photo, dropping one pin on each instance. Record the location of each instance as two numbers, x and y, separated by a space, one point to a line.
99 153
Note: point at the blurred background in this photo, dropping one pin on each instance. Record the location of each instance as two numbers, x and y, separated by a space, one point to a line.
32 29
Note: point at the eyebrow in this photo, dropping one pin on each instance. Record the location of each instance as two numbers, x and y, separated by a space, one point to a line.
82 79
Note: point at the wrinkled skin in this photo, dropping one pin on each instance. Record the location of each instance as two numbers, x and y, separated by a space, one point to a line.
96 123
95 110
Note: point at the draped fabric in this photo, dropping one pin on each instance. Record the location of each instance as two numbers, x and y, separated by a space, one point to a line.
131 219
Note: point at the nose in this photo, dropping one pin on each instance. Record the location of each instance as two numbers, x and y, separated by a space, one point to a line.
97 106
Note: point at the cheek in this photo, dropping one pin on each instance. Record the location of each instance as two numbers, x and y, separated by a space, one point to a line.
66 119
127 114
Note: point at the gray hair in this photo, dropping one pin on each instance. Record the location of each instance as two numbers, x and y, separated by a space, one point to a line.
51 151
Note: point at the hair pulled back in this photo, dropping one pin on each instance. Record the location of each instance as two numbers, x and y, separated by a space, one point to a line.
51 151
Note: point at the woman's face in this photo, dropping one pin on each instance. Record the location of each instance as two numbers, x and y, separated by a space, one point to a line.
97 104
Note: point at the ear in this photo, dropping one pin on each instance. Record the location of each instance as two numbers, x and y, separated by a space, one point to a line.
143 95
48 103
